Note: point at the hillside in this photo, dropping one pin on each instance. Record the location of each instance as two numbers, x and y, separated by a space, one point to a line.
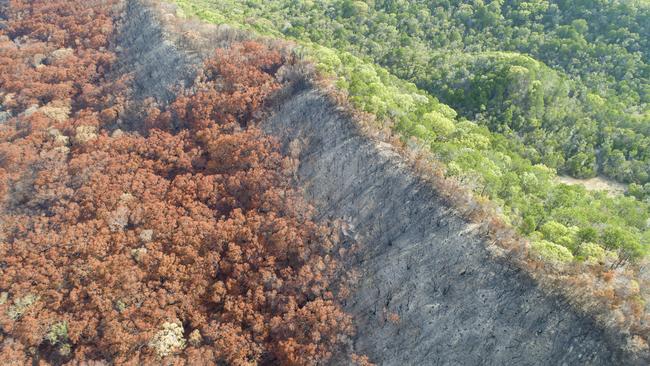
569 79
512 170
196 194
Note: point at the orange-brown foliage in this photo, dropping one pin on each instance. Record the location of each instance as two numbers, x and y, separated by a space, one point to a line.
193 222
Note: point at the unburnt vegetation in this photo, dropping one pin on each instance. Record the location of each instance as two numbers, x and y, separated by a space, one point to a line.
178 239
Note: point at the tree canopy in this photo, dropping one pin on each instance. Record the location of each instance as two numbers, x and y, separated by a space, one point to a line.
176 239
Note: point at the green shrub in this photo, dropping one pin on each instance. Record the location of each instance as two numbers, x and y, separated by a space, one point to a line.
592 253
551 252
58 336
21 305
58 333
557 233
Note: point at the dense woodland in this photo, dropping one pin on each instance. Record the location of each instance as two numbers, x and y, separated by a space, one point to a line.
507 94
177 239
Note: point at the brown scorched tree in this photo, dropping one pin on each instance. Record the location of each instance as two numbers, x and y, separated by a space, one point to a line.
181 243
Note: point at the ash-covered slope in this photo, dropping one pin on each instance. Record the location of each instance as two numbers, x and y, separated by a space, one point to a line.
456 304
154 61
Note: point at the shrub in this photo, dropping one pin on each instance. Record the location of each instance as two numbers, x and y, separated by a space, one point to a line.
58 336
168 340
592 253
551 252
559 234
21 305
